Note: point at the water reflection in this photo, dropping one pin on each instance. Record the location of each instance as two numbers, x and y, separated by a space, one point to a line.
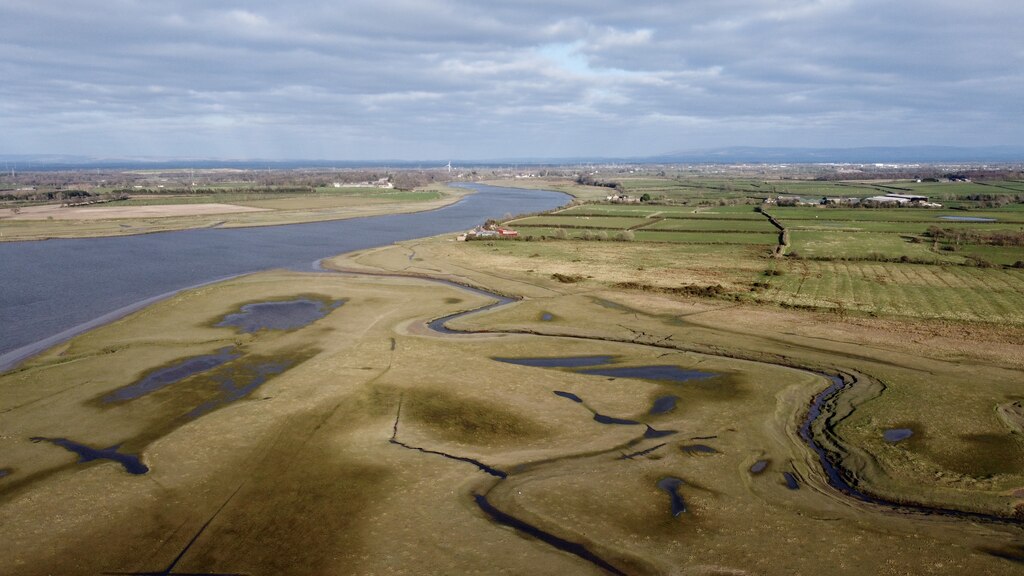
161 377
284 315
131 463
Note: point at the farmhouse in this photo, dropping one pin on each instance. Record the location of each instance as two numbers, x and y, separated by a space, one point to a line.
622 199
487 232
379 183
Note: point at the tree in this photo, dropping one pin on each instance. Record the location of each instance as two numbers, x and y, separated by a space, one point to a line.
646 197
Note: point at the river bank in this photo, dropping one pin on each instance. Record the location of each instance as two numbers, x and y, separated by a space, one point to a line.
86 279
54 221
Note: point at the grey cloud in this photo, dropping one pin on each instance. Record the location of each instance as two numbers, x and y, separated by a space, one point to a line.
415 78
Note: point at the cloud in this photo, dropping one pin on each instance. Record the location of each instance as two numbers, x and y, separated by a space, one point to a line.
455 78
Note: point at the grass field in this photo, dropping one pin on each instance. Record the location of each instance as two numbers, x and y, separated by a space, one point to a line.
885 289
848 259
569 221
713 225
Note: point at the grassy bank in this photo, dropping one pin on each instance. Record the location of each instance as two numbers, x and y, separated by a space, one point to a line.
274 209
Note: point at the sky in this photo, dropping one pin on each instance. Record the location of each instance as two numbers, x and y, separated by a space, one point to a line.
479 79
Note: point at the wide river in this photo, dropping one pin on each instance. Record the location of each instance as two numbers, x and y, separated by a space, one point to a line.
53 289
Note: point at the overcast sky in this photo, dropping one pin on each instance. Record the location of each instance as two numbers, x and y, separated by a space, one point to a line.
440 79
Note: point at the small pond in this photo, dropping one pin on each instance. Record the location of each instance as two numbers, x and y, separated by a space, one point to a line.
671 486
240 382
663 405
652 433
966 219
283 315
897 434
162 377
695 449
667 373
131 463
569 395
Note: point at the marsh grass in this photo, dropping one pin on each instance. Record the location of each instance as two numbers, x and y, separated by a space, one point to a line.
454 418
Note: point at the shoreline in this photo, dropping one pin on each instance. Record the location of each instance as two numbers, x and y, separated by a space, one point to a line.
126 226
12 359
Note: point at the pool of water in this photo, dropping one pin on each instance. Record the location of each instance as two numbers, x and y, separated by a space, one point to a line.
131 463
671 486
663 405
601 418
569 395
967 219
282 315
695 449
652 433
162 377
667 373
239 383
759 467
897 434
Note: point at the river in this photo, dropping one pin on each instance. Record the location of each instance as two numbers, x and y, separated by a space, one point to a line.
51 290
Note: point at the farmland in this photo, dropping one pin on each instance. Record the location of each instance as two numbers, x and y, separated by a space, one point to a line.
911 262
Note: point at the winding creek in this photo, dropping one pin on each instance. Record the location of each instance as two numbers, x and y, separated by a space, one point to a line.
820 410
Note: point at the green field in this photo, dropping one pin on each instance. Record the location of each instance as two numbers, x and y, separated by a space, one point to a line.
712 225
707 238
850 259
952 292
607 222
841 245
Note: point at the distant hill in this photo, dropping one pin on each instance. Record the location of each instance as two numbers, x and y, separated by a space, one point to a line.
865 155
725 155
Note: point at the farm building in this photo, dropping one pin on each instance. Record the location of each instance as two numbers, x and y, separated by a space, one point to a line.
622 199
481 232
904 200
